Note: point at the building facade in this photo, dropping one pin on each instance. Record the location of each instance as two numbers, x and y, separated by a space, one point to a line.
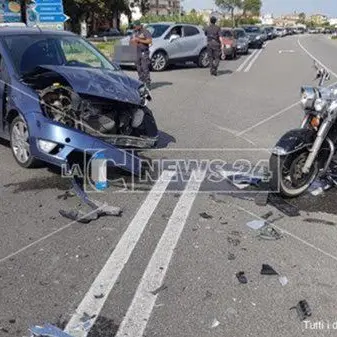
319 19
164 7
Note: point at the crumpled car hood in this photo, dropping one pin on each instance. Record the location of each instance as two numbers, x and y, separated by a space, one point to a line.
103 83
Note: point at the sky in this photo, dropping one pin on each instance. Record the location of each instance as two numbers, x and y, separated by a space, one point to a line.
277 7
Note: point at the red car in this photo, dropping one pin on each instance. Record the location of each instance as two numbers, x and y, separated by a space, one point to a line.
230 44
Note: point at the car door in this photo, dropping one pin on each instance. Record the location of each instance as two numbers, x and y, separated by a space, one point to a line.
174 48
191 41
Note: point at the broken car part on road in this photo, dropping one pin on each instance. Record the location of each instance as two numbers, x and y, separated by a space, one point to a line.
47 331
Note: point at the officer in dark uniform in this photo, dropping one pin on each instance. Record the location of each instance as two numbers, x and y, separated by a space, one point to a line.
142 39
214 45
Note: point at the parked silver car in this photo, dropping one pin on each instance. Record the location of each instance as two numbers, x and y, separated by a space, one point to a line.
173 43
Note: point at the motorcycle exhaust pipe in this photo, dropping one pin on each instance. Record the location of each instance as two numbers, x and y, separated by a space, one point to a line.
321 134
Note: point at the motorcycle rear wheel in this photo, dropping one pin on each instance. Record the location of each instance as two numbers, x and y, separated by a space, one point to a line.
287 176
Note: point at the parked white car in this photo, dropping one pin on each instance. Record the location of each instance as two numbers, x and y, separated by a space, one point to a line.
171 43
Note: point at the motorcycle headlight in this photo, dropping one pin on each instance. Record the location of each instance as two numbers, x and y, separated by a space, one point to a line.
308 97
258 37
319 104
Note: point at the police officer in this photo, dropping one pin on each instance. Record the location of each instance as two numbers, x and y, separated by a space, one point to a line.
142 39
214 45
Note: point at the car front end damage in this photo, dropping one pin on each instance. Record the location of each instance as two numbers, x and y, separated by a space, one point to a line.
88 110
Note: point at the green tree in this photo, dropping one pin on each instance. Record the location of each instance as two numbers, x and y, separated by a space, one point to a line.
252 7
193 11
229 6
301 18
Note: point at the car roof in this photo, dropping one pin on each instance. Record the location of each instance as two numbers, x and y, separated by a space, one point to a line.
6 31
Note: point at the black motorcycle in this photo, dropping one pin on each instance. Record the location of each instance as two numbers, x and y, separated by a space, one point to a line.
303 154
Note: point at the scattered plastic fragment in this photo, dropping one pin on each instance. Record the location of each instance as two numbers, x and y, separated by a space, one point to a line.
231 256
215 323
268 270
66 195
245 179
241 277
4 330
234 242
99 296
79 216
278 202
256 224
231 312
283 280
204 215
48 331
157 291
319 186
303 309
208 295
269 233
323 222
12 321
267 215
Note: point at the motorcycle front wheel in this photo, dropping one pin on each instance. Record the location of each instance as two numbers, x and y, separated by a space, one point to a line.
287 176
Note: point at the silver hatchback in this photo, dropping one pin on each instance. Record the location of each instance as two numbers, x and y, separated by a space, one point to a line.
171 44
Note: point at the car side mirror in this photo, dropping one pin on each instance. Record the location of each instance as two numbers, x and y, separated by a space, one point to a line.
174 37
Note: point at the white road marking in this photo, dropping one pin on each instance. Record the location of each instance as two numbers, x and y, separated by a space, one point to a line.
135 321
286 51
251 63
108 276
315 58
246 60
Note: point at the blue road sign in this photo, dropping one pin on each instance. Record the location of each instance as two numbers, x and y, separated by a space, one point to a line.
55 9
51 18
48 2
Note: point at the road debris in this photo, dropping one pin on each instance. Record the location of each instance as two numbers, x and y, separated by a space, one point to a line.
66 195
12 321
215 323
319 186
158 290
99 296
320 221
241 277
268 270
256 224
230 312
283 280
231 256
216 198
261 198
4 329
233 241
303 309
204 215
269 233
48 331
283 206
267 215
98 209
208 295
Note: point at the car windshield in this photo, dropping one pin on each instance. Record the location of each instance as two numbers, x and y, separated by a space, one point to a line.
30 51
157 30
252 29
226 33
240 33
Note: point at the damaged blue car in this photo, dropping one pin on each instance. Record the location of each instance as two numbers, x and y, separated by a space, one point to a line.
61 96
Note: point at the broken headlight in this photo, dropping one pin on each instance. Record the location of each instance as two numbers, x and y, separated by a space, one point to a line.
145 95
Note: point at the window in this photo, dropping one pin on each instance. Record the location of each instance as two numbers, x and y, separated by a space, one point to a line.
157 30
177 30
190 31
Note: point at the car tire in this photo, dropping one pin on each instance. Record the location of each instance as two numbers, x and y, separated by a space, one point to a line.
19 142
203 59
159 61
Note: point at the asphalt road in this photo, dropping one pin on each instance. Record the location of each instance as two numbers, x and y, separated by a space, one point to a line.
64 273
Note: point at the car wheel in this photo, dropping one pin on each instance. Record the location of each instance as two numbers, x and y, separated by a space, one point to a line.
203 59
159 61
19 141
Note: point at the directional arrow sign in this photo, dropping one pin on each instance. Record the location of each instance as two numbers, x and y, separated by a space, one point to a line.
49 18
49 9
48 2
